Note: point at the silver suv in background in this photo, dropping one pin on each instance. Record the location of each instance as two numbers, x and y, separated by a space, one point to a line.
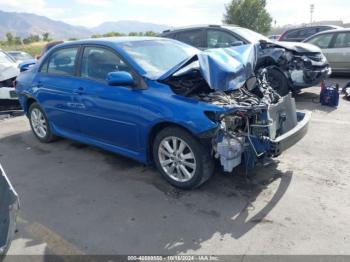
301 33
335 45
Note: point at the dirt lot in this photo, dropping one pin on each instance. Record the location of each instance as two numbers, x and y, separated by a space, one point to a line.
77 199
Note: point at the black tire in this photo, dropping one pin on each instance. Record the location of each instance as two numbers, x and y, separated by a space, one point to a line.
204 161
278 81
49 137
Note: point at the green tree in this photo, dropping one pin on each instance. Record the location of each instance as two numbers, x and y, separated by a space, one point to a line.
150 33
251 14
96 36
17 40
10 38
46 37
31 39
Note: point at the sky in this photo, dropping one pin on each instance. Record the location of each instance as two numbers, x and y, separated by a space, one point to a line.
91 13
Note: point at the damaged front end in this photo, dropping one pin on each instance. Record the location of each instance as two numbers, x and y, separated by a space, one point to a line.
8 74
302 64
253 121
9 206
257 124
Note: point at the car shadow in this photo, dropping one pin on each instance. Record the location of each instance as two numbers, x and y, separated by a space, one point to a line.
139 212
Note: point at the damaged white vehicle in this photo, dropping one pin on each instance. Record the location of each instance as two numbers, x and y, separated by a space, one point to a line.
8 72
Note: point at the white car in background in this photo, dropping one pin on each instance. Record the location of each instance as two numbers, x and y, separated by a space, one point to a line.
8 72
20 56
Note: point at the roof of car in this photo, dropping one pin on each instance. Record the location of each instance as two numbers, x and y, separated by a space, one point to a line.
313 26
197 26
339 30
112 40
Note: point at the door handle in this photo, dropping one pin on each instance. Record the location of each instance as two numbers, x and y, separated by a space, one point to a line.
79 91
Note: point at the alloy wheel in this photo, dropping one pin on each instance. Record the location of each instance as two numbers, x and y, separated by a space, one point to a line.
177 159
38 121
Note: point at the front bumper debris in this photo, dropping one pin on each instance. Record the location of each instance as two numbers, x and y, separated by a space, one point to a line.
293 136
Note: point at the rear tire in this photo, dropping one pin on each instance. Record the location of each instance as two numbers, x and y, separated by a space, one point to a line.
40 124
278 81
181 159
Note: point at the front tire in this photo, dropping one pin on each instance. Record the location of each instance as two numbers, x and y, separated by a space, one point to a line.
181 159
278 81
40 124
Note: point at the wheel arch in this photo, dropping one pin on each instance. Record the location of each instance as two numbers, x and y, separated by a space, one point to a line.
28 102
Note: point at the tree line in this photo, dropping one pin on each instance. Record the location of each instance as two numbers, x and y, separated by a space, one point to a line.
32 38
17 40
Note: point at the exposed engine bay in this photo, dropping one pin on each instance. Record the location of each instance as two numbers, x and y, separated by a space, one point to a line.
255 115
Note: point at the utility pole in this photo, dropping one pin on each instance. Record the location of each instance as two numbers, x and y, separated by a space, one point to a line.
312 9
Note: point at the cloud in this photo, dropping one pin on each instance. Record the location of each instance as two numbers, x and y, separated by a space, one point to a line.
299 11
95 3
89 19
39 7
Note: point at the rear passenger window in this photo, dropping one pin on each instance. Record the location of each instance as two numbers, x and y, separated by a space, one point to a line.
342 41
193 37
62 62
98 62
292 34
322 41
220 39
307 32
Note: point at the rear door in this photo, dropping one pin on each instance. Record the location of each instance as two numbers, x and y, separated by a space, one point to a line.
339 52
108 114
56 87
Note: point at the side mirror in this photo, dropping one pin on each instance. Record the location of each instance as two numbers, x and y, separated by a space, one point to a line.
120 78
24 66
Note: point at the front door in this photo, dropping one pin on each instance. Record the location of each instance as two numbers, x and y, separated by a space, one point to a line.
109 114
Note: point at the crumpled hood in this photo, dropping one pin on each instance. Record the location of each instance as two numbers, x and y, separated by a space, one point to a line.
8 70
299 47
223 69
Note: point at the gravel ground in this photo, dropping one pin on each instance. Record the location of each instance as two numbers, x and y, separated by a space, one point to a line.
77 199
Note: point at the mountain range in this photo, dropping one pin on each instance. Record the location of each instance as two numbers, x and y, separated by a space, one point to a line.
24 24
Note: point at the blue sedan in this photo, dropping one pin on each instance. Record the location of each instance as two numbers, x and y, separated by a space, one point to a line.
159 101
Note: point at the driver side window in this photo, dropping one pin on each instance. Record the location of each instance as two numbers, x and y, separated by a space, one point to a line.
220 39
62 62
97 62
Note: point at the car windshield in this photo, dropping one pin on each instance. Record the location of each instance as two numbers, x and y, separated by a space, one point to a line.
20 55
157 57
5 59
249 35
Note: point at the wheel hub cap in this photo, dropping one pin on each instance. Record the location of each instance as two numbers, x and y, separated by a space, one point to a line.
177 159
38 123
